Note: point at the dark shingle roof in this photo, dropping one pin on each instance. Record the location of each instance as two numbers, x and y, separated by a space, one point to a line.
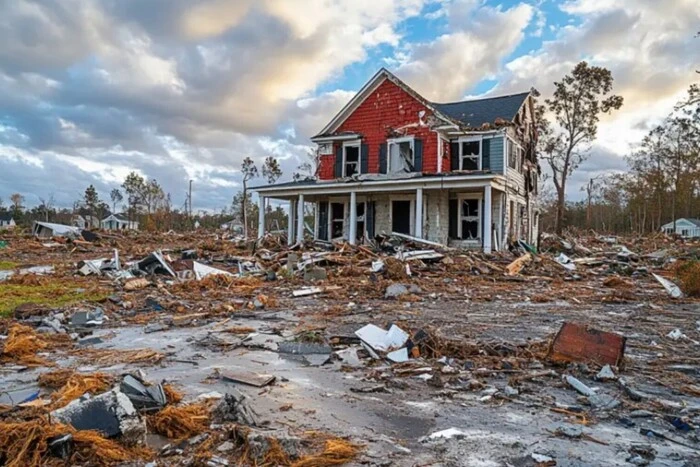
5 216
475 113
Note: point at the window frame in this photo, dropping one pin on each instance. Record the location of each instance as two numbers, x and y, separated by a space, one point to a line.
411 139
325 149
519 155
348 144
460 200
480 156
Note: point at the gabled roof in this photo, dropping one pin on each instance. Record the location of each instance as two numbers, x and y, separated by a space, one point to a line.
470 113
474 113
695 222
5 216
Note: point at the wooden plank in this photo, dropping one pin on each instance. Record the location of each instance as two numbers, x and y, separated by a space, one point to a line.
579 343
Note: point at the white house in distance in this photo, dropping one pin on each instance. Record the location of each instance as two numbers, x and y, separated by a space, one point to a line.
118 222
6 221
687 228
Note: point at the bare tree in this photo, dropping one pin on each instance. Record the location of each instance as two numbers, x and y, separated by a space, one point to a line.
17 203
578 100
249 171
47 205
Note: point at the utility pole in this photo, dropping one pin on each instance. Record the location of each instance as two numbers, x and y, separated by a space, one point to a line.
189 198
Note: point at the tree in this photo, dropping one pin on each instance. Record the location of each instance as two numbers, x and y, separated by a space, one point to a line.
578 100
116 197
17 204
47 205
271 170
133 186
249 171
308 168
91 200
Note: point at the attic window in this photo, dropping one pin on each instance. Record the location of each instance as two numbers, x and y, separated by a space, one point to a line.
470 154
401 155
325 149
351 158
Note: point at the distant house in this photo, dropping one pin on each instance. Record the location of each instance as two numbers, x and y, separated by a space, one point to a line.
6 221
118 222
687 228
85 222
233 225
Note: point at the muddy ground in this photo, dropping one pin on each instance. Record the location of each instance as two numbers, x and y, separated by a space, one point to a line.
485 375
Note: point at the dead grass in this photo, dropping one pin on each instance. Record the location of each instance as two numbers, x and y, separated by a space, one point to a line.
22 346
172 395
336 451
688 274
180 422
25 444
77 385
55 379
114 356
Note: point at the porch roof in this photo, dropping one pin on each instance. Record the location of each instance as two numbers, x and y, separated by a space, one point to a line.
369 183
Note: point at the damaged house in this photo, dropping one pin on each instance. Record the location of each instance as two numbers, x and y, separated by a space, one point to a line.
462 173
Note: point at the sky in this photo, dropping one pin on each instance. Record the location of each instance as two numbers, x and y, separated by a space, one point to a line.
181 90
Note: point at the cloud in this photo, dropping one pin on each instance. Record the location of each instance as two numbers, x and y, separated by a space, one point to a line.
444 69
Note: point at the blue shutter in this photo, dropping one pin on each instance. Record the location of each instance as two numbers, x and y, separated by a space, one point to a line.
454 155
418 155
382 158
339 161
323 220
364 159
485 154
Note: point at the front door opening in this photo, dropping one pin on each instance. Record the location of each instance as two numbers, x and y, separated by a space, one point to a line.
401 217
360 221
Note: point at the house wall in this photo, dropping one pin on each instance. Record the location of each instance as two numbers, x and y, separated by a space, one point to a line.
388 108
693 231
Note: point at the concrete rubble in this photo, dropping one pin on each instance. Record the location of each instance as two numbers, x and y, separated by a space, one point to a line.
209 350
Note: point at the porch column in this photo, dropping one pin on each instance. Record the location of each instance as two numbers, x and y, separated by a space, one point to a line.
290 222
418 231
487 219
300 219
353 218
261 216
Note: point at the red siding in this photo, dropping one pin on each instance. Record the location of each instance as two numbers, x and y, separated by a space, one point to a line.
388 107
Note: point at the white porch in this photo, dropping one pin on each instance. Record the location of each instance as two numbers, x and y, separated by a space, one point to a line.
468 213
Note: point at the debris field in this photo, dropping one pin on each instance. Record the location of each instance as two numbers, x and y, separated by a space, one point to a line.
204 349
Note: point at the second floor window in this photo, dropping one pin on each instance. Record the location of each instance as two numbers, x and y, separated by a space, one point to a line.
351 159
470 154
400 155
515 156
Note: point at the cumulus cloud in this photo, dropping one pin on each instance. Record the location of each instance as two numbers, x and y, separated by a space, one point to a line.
479 39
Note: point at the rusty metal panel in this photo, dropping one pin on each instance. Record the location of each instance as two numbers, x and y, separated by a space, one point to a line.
579 343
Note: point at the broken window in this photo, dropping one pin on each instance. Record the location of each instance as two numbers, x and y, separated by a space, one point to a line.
337 220
401 155
351 158
470 155
469 219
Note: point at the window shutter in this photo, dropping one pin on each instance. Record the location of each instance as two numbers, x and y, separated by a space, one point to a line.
418 155
454 214
454 155
382 158
364 159
485 154
323 220
369 219
339 161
